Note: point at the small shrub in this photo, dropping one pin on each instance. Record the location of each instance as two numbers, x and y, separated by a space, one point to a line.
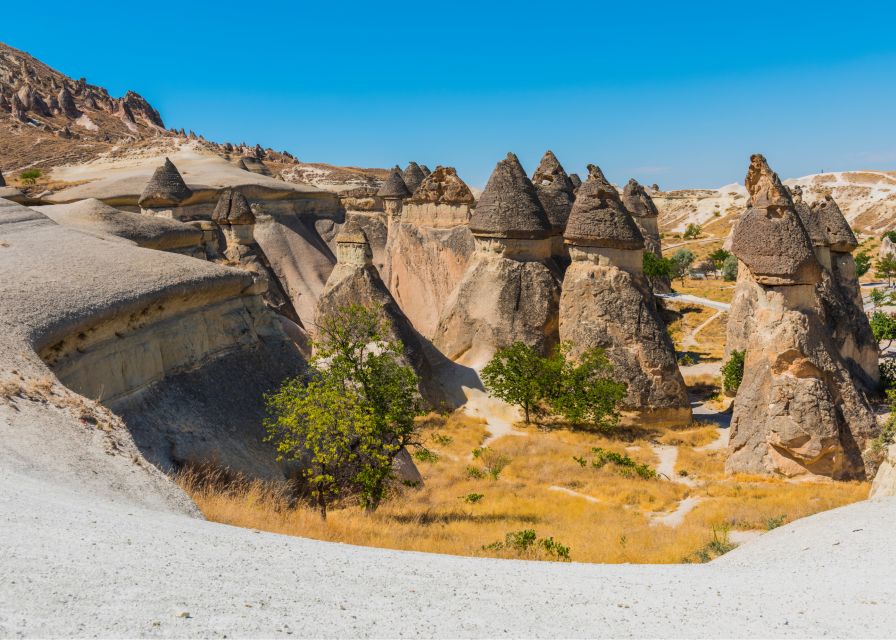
692 231
425 455
472 498
493 463
626 465
441 439
654 266
733 371
527 544
775 522
729 269
475 473
888 374
863 263
686 360
718 545
30 176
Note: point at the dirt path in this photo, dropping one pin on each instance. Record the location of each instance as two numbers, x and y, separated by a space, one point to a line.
575 494
687 297
498 415
675 518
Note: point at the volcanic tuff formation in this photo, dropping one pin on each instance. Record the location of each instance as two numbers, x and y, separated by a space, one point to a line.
555 191
645 214
799 409
607 303
165 188
511 288
413 176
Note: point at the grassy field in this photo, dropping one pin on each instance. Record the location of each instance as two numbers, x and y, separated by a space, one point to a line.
547 484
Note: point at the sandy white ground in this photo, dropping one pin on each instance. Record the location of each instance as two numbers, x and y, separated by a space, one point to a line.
75 564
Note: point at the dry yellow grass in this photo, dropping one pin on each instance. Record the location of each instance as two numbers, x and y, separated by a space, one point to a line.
614 528
711 288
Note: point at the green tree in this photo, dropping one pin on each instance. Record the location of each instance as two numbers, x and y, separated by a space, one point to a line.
692 231
718 258
883 326
729 269
878 297
356 413
891 235
886 268
517 375
655 266
863 263
733 371
681 261
583 389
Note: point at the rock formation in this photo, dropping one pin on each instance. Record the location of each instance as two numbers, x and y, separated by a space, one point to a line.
555 191
429 247
510 291
887 248
607 303
166 188
2 180
354 280
236 219
393 192
576 181
798 409
645 214
413 176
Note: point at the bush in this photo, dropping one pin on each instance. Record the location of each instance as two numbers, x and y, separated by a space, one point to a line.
887 374
729 269
733 371
681 261
891 235
493 463
718 545
656 267
775 522
30 176
883 326
626 465
527 544
472 498
425 455
888 434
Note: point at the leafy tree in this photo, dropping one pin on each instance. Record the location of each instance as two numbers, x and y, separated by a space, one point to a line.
516 375
733 371
355 414
878 297
30 176
729 269
681 262
584 390
718 258
891 235
658 267
886 268
883 326
863 263
692 231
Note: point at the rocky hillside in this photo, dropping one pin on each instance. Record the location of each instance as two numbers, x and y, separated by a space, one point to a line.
867 198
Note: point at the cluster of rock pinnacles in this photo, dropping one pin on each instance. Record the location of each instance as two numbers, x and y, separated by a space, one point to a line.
554 259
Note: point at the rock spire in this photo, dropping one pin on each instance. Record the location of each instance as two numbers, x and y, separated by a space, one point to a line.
599 218
509 206
166 187
413 176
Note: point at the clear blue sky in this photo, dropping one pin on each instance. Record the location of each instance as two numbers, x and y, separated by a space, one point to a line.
678 93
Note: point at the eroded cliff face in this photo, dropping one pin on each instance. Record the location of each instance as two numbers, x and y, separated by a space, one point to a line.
425 265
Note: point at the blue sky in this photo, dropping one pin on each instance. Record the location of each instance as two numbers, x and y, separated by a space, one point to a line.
678 93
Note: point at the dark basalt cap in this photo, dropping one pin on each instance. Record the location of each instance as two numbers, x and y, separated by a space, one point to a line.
555 190
394 186
575 180
839 234
413 176
769 238
638 201
166 187
233 208
509 206
425 169
443 186
599 218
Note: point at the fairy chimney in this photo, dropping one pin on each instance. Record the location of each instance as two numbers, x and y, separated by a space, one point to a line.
393 192
799 409
235 217
645 214
607 303
511 288
576 182
555 191
165 190
67 103
413 176
442 200
352 246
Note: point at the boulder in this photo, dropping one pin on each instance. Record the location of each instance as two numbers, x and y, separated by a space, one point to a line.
607 303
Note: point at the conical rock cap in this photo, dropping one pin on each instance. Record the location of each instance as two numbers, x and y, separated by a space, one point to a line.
166 187
599 219
509 206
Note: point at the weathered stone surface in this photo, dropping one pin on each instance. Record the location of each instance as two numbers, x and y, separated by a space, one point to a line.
67 103
413 176
645 215
840 235
233 209
2 180
801 408
555 191
166 187
885 480
599 218
887 248
394 186
509 206
769 238
576 181
442 186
